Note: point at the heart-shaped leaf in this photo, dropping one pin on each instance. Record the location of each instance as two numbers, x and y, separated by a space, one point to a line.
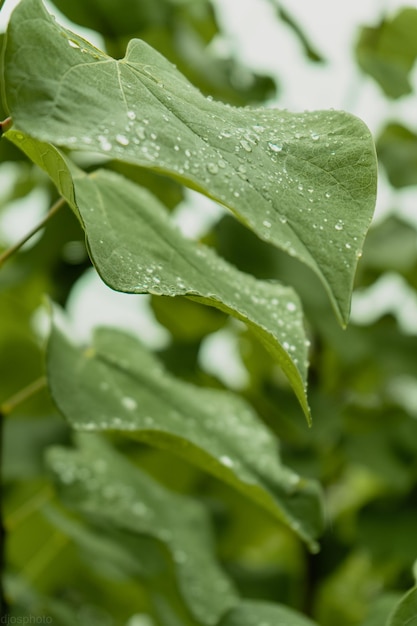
306 182
117 385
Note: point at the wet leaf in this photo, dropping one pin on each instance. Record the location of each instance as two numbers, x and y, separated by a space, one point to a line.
136 250
305 182
101 483
117 385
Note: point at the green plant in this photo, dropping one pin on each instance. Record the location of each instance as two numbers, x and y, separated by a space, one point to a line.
172 487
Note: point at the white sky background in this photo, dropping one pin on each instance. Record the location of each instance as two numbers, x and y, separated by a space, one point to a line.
254 34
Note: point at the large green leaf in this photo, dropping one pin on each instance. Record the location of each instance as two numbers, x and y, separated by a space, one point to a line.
305 181
263 614
101 483
405 613
117 385
136 249
388 52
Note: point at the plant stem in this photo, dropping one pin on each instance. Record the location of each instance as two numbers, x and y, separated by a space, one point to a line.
52 211
22 395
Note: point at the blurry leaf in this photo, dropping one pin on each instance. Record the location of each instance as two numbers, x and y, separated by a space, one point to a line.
20 352
388 51
117 385
24 443
100 483
223 78
380 609
136 250
346 594
397 150
260 613
121 556
388 532
167 190
185 319
391 245
271 168
111 21
405 613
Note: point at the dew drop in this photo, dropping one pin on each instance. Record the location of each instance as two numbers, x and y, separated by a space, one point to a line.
246 145
212 168
267 224
226 460
339 225
315 136
129 403
291 306
122 140
73 44
140 131
104 143
275 147
131 115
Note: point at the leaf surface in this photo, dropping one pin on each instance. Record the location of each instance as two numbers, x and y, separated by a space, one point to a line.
99 482
305 182
117 385
136 249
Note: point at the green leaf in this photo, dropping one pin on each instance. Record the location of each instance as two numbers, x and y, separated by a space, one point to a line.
99 482
263 614
305 182
136 250
117 385
388 52
405 613
397 150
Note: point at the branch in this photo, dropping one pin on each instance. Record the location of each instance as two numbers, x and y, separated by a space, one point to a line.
52 211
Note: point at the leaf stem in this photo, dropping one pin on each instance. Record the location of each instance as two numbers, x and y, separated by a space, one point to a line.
11 403
52 211
29 507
